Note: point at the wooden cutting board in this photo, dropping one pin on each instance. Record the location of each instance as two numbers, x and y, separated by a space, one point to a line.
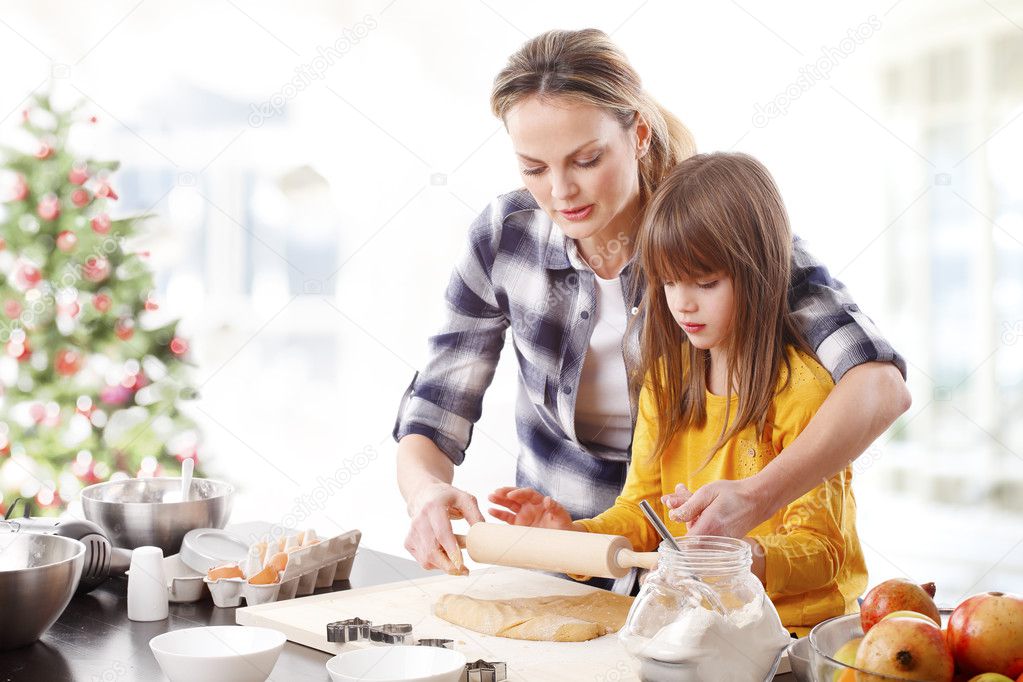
304 621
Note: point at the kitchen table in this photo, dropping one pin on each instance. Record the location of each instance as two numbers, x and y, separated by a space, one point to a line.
93 641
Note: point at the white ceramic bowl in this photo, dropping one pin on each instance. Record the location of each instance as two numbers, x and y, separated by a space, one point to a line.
397 664
222 653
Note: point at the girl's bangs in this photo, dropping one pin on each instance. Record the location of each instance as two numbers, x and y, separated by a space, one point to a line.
680 248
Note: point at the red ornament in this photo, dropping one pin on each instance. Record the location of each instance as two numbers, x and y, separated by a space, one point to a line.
89 475
92 119
78 175
67 241
124 328
20 190
115 395
49 207
27 276
3 243
101 224
96 269
187 453
69 309
80 197
106 191
101 302
44 151
137 381
12 308
151 304
19 351
179 346
67 362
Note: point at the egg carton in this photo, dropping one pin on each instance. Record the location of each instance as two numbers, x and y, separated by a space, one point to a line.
311 567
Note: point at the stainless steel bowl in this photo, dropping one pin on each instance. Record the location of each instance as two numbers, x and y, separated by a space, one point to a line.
38 575
140 511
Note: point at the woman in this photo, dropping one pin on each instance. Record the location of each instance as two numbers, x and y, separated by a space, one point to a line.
553 262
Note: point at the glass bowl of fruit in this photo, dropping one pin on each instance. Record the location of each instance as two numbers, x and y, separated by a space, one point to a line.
913 649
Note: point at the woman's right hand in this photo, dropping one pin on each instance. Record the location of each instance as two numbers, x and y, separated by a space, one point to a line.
527 507
430 538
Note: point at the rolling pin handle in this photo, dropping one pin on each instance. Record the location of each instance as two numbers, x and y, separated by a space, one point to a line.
629 559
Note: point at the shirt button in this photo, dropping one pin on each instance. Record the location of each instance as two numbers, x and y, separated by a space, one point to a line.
584 314
567 390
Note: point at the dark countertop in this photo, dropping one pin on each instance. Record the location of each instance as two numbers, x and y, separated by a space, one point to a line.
93 641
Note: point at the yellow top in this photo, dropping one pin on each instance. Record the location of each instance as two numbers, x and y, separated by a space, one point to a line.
815 568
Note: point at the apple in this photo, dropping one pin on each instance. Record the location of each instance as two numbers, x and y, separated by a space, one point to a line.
897 594
985 634
846 655
908 648
910 614
847 652
990 677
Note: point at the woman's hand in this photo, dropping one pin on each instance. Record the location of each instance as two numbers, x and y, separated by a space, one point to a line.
527 507
430 538
726 508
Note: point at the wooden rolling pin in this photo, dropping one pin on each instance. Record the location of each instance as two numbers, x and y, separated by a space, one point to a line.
565 551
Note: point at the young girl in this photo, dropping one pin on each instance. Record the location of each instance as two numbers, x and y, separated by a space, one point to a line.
729 383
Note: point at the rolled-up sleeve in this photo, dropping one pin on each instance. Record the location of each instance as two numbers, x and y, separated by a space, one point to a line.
445 398
838 331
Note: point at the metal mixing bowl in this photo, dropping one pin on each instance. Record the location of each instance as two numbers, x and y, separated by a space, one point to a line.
38 575
139 511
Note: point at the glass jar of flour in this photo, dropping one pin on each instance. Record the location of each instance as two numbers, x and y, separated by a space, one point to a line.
703 615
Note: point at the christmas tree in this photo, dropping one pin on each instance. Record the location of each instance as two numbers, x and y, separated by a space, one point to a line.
91 379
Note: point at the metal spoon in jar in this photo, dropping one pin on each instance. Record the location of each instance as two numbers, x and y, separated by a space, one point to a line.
705 590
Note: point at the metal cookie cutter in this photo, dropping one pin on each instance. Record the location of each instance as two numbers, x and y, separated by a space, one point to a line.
485 671
351 630
393 633
440 643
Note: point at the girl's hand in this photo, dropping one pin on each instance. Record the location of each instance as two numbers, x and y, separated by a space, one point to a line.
527 507
673 501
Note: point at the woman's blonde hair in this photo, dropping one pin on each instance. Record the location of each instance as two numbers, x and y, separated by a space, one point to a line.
717 213
586 66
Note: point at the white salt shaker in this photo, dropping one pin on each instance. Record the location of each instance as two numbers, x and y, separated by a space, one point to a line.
147 585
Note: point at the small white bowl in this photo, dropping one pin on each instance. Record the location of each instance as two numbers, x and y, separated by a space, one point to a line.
397 664
222 653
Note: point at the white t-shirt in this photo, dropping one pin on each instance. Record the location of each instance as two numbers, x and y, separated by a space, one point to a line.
603 416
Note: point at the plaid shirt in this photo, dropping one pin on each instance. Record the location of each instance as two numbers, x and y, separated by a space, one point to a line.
520 271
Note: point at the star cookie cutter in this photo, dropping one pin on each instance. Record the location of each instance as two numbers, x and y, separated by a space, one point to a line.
393 633
485 671
437 642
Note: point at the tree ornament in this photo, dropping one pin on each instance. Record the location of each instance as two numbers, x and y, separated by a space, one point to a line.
67 241
80 197
101 224
67 362
178 346
101 302
78 174
96 268
49 207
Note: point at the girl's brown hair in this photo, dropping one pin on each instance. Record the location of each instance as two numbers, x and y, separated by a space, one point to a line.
586 66
717 213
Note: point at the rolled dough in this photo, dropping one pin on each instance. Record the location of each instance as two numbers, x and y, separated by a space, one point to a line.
543 619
